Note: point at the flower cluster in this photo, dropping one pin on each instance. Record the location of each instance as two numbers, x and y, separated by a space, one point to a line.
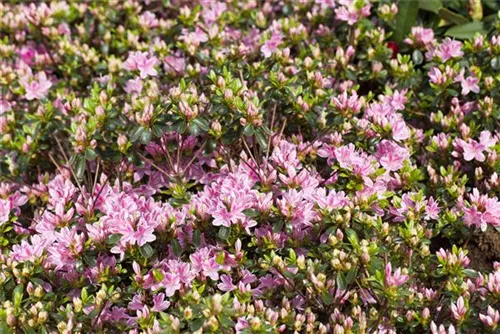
245 167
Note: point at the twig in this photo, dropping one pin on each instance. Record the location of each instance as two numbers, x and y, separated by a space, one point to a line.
161 170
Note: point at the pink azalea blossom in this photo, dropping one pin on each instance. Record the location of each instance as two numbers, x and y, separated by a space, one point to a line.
175 65
474 150
394 279
448 49
272 44
36 88
5 207
420 36
133 86
226 284
160 304
391 156
140 61
470 84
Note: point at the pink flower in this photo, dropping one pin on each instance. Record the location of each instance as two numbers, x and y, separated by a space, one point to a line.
436 76
350 12
396 279
400 130
5 207
171 283
459 309
204 262
211 13
448 49
5 106
474 150
272 45
483 211
144 235
36 89
160 304
27 54
352 103
31 252
175 65
491 319
133 86
224 216
470 84
391 156
140 61
226 284
432 209
420 36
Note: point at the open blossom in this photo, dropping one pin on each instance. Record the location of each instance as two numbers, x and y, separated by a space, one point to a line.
470 84
5 207
482 212
36 87
448 49
420 36
226 284
133 86
475 150
174 65
272 44
394 279
142 62
391 155
349 12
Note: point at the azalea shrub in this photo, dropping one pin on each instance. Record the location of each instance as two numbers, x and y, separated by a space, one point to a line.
249 167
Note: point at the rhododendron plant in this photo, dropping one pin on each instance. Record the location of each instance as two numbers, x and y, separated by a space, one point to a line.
249 167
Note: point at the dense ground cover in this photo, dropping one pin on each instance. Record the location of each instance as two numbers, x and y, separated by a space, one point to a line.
249 167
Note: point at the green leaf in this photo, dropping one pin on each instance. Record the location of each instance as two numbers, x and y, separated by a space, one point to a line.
145 137
406 18
194 130
292 256
351 275
176 247
84 294
80 167
220 258
417 57
261 138
327 298
202 124
467 30
136 134
224 232
113 238
146 251
18 295
226 321
452 17
197 324
197 238
248 130
90 154
341 281
471 273
353 237
158 275
430 5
